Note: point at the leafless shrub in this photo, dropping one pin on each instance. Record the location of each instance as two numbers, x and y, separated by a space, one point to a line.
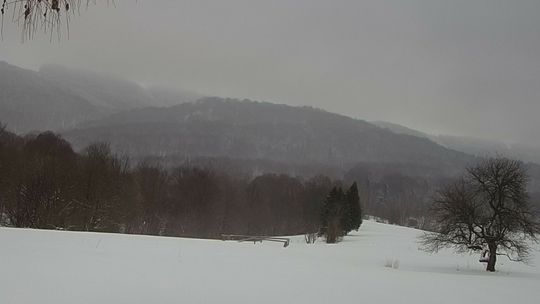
310 237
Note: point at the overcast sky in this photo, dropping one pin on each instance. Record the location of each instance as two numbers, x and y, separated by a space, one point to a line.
452 67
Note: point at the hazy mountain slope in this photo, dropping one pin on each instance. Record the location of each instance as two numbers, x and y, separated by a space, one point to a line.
163 96
244 129
475 146
112 93
399 129
57 98
527 152
30 102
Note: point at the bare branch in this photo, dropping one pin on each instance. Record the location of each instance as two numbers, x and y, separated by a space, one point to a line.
49 16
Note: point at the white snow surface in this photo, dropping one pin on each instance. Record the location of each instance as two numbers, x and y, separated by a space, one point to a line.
53 267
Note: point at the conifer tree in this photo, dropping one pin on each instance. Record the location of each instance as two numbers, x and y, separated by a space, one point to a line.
332 216
353 214
341 213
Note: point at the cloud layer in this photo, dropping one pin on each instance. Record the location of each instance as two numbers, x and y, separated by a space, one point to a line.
456 67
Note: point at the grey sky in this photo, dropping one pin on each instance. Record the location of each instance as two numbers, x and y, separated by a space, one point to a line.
453 67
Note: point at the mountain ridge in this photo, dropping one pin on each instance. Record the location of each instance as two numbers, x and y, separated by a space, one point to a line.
471 145
88 107
58 98
220 127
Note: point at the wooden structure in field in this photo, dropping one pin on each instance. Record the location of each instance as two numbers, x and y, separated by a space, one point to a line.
255 239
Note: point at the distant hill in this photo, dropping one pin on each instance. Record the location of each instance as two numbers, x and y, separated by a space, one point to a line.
109 92
58 98
399 129
482 147
473 146
113 92
30 102
163 96
156 121
216 127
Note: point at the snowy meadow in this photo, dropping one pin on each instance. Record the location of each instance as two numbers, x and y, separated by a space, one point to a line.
380 263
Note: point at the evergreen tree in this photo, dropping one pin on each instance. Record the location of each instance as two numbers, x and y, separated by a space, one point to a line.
332 215
341 213
353 214
327 209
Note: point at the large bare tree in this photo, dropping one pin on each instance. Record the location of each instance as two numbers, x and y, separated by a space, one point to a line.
487 210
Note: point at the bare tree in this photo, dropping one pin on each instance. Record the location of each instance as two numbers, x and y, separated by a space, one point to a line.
45 15
488 209
151 181
100 188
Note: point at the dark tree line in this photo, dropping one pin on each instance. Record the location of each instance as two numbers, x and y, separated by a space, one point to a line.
45 184
397 194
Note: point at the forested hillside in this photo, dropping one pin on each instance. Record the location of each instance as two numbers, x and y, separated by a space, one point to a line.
398 169
216 127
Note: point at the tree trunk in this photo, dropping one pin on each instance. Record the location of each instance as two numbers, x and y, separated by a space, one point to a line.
492 257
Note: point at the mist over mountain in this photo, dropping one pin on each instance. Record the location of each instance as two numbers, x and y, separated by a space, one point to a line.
58 98
31 102
106 91
112 92
399 129
480 147
164 96
157 121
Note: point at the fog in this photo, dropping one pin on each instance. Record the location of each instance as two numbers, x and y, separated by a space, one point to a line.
445 67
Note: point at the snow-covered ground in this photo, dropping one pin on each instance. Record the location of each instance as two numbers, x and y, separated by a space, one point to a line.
54 267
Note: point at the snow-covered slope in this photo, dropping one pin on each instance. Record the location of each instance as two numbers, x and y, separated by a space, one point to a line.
67 267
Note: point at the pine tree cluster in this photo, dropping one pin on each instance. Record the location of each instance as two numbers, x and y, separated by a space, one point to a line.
341 213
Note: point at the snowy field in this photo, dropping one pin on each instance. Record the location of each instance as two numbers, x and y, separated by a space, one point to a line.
50 267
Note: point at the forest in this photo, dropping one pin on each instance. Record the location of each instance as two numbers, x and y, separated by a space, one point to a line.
45 184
